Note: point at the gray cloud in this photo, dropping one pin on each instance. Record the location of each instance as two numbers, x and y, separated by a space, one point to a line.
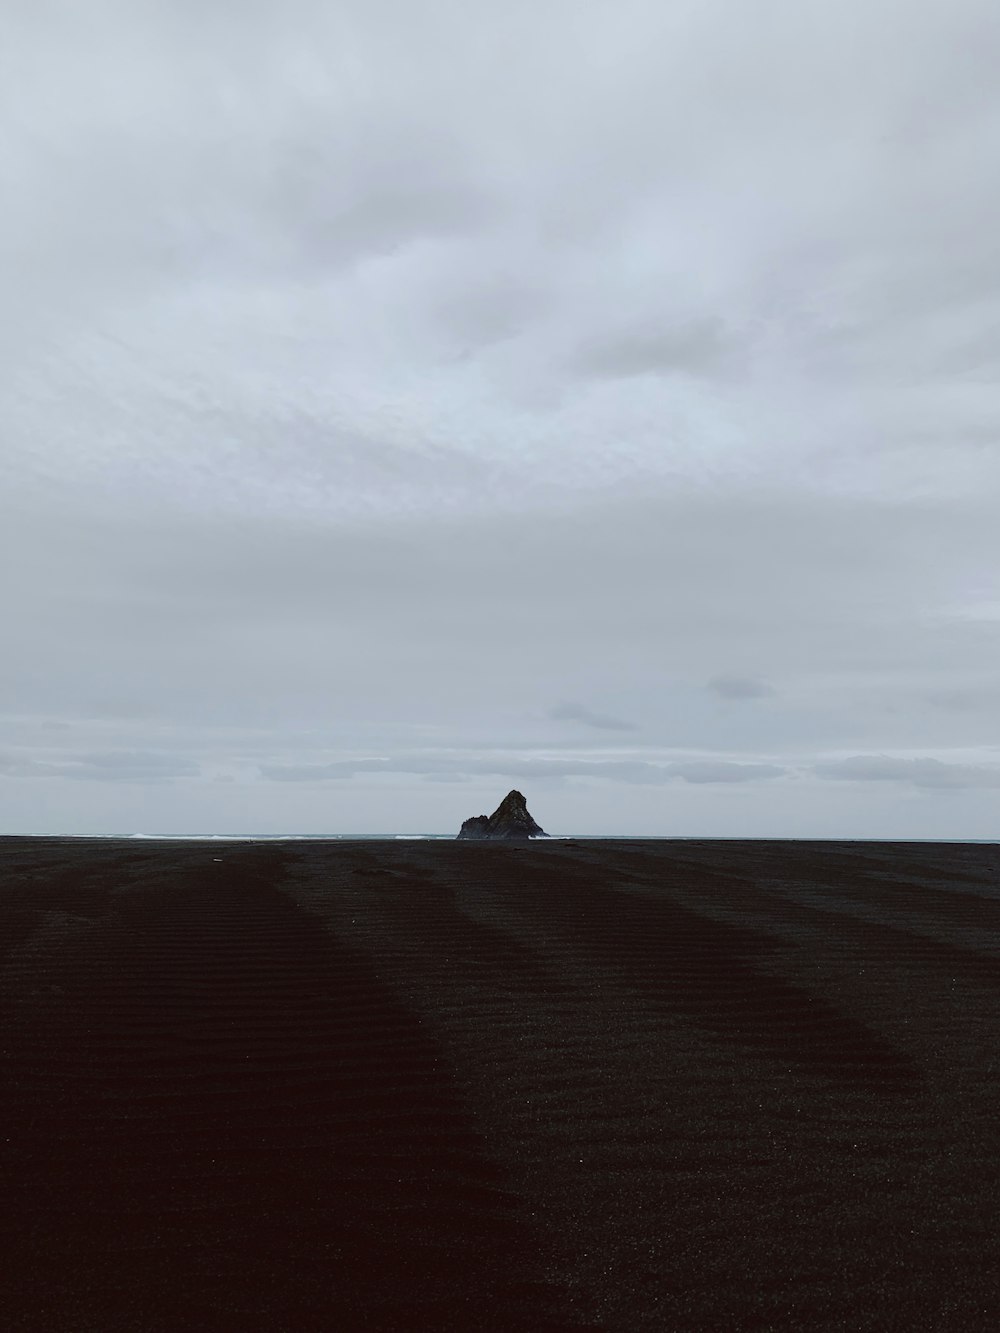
342 768
966 698
716 770
932 774
701 346
739 687
599 721
118 766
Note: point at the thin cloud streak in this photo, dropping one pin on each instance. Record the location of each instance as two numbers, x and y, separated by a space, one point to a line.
739 687
599 721
542 770
930 774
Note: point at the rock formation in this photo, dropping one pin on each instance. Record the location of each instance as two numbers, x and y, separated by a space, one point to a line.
478 826
510 820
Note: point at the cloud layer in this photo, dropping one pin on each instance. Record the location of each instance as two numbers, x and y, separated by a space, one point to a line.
610 389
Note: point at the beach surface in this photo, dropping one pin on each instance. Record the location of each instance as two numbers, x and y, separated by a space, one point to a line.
553 1086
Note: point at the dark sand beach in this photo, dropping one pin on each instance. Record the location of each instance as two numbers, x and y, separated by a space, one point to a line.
553 1086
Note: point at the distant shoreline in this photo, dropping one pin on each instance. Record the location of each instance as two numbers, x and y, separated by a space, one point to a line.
450 837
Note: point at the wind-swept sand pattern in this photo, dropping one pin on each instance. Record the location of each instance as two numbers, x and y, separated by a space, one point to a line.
556 1086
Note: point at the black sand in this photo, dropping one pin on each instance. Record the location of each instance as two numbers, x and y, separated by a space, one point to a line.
615 1086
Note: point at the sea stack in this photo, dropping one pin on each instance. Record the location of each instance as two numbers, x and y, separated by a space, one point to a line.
509 821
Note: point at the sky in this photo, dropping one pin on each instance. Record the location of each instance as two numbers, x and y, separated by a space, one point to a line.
403 403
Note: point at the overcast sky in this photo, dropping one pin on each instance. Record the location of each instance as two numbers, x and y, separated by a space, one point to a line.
401 402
